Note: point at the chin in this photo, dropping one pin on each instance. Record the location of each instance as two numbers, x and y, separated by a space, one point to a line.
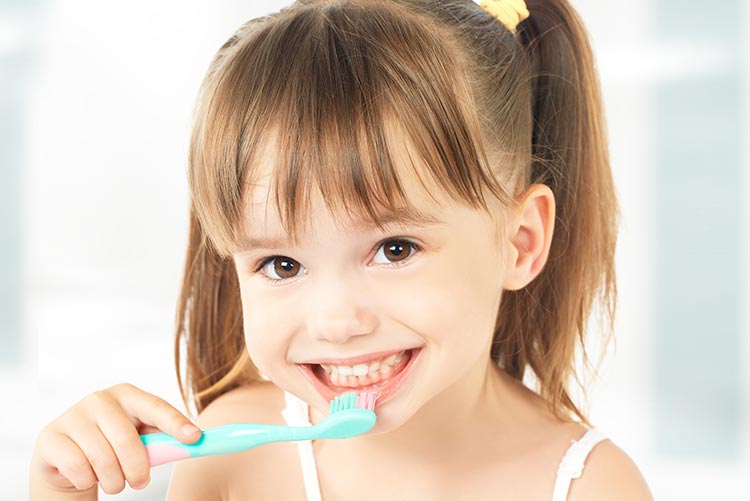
391 417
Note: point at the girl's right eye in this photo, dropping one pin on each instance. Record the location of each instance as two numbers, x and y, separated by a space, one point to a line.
278 268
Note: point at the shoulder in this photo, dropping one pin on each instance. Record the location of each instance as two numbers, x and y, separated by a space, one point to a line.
257 402
210 477
609 473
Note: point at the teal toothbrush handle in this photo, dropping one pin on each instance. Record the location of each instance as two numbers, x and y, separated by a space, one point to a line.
163 448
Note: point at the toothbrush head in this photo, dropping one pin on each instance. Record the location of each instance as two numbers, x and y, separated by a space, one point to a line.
351 414
354 400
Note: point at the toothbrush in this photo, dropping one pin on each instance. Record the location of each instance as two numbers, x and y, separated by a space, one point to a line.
351 414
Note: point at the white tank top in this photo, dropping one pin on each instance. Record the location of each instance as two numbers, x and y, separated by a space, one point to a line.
571 466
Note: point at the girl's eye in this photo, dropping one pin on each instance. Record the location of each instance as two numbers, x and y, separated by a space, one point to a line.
281 268
394 251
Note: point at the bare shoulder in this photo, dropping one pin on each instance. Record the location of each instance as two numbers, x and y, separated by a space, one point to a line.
217 477
610 474
257 402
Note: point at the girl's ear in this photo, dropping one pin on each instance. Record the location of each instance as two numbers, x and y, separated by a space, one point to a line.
530 235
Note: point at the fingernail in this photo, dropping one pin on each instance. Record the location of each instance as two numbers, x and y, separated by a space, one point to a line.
190 429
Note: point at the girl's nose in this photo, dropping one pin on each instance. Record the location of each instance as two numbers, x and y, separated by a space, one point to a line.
337 312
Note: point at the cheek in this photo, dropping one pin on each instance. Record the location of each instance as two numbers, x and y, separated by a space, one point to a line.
266 324
443 299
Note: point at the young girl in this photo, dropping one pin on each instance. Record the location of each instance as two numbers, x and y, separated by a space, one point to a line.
406 196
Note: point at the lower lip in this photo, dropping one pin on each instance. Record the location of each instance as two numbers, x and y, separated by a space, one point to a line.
384 389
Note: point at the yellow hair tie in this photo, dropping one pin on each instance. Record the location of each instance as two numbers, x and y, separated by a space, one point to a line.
508 12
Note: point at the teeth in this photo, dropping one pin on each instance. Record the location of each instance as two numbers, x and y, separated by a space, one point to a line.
359 370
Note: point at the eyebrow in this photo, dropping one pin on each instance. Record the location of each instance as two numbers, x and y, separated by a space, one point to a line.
402 216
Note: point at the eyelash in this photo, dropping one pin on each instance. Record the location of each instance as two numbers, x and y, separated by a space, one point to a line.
415 249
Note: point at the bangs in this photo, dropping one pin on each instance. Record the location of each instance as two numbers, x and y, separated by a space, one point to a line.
341 99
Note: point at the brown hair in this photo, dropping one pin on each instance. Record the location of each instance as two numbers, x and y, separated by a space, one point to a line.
332 85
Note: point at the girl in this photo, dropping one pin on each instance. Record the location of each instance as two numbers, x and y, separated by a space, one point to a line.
411 196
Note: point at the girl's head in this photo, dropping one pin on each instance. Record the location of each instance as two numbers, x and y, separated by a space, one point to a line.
388 149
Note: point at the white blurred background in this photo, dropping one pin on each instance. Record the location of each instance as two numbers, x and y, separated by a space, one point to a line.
95 103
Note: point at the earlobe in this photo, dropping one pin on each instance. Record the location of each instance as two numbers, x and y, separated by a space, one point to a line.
530 235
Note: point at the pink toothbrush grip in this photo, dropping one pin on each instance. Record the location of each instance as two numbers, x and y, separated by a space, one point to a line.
163 453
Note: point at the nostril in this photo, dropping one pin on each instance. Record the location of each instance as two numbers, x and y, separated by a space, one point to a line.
336 317
326 327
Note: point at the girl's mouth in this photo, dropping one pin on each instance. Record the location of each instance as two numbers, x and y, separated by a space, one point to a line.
383 376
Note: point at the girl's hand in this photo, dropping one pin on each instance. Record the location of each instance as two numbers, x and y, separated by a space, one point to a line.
98 440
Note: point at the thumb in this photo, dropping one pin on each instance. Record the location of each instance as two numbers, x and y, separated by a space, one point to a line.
188 438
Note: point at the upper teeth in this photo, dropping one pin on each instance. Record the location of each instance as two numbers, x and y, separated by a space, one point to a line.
362 369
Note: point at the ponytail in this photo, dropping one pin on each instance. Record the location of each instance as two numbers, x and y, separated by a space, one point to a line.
541 325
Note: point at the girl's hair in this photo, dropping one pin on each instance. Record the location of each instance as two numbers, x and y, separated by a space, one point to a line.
333 88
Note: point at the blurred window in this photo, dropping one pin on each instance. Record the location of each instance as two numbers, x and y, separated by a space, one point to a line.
699 222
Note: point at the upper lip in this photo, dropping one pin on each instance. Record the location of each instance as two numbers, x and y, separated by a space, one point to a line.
359 359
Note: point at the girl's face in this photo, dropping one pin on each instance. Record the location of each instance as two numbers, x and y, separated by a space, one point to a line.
350 296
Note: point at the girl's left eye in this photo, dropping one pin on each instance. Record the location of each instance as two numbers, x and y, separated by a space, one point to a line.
278 268
394 251
282 268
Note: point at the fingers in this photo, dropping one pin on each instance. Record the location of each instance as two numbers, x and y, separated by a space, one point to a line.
98 440
110 442
125 441
101 457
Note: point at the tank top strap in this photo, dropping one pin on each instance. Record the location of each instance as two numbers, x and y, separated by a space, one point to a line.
572 463
296 414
